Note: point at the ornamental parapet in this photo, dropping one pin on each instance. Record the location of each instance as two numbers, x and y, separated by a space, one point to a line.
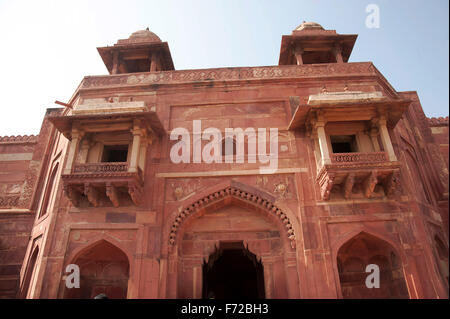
351 158
236 74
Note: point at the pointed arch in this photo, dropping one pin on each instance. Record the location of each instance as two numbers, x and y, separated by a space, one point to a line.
364 229
104 268
355 254
93 242
248 195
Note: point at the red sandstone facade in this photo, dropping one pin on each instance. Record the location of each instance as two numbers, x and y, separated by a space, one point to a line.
362 179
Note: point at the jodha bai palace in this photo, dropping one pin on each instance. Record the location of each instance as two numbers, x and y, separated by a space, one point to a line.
362 178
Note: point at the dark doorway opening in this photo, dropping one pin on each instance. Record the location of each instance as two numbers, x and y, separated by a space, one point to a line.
115 153
343 143
232 271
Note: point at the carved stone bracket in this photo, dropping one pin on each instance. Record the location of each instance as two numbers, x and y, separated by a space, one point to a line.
72 194
92 194
369 183
348 186
136 193
391 183
326 186
111 192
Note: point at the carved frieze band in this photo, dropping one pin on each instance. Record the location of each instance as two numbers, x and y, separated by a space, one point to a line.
268 72
235 192
19 139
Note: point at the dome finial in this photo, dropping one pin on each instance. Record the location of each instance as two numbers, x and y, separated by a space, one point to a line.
309 26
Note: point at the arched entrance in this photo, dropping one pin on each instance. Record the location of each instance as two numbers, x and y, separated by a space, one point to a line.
232 213
352 260
232 271
104 268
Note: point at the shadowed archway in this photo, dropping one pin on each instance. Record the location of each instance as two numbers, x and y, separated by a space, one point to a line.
232 271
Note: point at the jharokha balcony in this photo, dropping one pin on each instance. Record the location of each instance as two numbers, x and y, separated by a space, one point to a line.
106 154
351 174
101 183
352 145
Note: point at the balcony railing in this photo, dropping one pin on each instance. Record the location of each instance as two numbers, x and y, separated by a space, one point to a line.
352 158
101 167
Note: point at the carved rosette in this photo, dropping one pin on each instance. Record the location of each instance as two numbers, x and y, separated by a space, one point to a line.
242 195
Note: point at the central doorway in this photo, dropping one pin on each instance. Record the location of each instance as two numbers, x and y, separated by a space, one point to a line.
233 272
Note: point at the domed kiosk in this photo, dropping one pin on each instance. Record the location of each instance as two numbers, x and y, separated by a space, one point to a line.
310 43
143 51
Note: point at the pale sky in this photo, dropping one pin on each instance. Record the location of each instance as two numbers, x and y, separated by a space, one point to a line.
48 46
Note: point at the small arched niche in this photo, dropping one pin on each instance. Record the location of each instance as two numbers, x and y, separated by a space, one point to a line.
359 252
104 269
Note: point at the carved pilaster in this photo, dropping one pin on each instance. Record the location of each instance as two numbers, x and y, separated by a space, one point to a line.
369 183
111 192
391 183
136 193
72 194
92 194
348 186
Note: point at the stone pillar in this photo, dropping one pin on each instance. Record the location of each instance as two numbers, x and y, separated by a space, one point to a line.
337 51
374 138
197 282
153 61
115 67
143 152
298 52
137 133
84 150
324 152
268 271
76 137
385 139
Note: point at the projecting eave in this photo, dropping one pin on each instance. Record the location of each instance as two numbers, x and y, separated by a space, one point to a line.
65 123
350 111
107 53
315 41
